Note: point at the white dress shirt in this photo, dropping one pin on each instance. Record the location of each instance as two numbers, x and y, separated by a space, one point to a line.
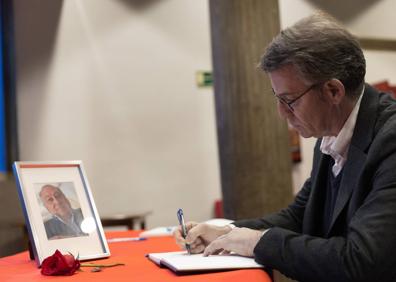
337 146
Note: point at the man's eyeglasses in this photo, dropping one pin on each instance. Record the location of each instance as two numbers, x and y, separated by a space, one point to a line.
291 102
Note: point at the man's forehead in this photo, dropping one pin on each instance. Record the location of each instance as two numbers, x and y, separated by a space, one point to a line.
285 80
49 190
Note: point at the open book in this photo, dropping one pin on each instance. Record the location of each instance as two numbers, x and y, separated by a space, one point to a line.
183 262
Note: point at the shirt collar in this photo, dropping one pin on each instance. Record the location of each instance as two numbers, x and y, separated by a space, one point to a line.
337 146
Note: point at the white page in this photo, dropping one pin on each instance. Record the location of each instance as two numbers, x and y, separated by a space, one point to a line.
182 261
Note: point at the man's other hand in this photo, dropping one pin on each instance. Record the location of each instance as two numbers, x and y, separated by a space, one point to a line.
240 240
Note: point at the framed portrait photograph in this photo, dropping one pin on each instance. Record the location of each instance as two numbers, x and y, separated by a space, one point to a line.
59 210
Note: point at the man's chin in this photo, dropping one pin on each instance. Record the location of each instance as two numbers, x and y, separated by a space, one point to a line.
305 135
63 215
301 132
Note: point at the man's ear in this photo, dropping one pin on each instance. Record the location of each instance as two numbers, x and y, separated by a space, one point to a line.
334 90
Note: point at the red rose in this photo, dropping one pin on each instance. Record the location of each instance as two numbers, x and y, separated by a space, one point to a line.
59 264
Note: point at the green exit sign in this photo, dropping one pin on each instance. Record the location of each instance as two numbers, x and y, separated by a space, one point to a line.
204 78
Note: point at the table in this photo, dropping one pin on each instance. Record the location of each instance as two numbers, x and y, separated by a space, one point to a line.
138 268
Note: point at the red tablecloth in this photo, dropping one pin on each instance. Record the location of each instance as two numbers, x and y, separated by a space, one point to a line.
137 267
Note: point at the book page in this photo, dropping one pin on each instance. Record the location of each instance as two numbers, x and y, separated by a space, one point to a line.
182 261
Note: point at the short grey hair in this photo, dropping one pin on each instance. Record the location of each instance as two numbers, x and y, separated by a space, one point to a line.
49 186
320 49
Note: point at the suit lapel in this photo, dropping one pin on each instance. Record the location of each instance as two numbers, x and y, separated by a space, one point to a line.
350 179
361 139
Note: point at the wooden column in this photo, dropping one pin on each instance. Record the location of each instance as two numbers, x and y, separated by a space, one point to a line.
253 141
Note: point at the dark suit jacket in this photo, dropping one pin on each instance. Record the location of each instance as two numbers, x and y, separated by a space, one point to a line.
55 227
361 241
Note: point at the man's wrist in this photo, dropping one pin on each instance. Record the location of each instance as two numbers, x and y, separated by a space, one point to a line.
232 226
228 228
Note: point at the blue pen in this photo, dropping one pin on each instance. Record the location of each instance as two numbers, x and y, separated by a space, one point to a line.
180 217
126 239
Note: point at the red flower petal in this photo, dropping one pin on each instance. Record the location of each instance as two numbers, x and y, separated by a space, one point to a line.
59 264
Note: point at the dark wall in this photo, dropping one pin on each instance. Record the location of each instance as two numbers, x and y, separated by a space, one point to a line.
12 236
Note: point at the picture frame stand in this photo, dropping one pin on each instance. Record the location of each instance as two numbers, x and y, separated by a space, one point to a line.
30 249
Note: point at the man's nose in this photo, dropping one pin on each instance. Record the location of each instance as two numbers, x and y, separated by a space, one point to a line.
55 201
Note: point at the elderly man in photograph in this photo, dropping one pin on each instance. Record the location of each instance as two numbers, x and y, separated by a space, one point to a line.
65 221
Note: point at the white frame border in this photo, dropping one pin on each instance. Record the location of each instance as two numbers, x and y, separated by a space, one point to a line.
31 225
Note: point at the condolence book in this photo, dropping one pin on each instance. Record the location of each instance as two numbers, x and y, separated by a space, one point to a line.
181 262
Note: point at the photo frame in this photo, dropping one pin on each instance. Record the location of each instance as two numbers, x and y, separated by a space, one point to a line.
59 210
